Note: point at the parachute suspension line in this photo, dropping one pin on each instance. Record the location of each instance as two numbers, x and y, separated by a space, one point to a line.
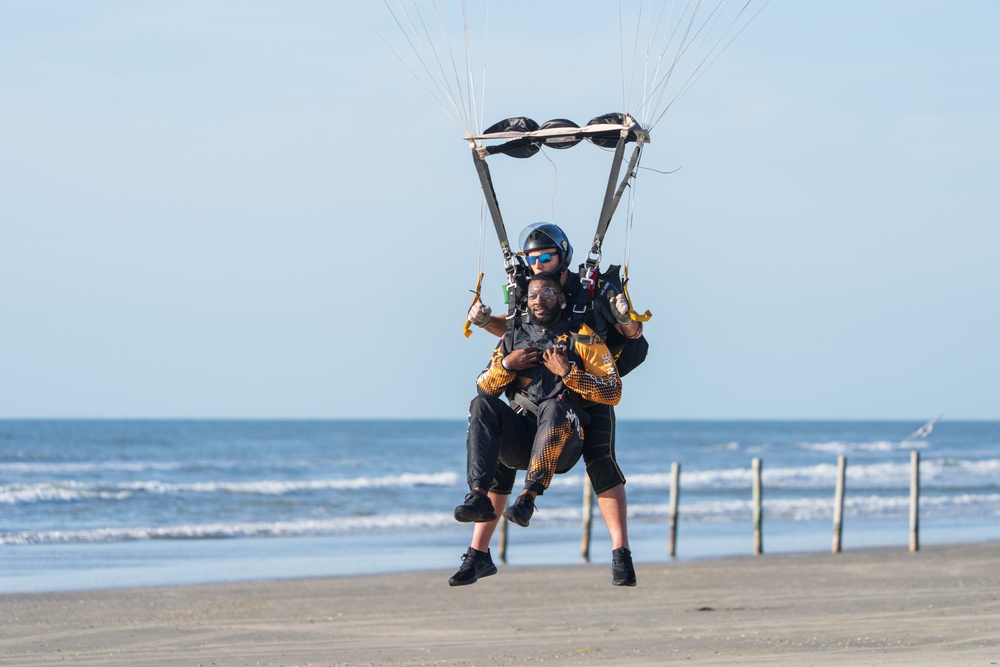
465 100
634 90
477 292
644 96
482 234
729 43
687 18
629 220
555 186
669 38
430 53
477 109
467 97
633 196
719 47
436 96
692 42
627 81
469 77
421 45
661 171
674 43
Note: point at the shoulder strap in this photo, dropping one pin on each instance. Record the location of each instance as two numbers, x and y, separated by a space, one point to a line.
584 297
516 295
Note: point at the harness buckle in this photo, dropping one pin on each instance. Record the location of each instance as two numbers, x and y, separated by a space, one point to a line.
520 401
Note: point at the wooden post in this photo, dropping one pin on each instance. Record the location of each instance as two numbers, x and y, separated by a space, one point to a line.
588 517
838 503
675 494
914 501
758 508
502 546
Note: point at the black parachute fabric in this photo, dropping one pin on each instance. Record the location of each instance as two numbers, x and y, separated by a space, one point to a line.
609 139
520 147
561 142
525 137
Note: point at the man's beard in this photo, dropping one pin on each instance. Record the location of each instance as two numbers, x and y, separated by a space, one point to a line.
550 317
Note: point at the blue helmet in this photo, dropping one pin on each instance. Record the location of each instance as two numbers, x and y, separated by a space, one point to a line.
541 235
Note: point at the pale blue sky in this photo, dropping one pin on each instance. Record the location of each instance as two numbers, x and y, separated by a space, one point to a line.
249 209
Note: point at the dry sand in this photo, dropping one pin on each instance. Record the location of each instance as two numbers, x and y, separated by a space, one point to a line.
867 607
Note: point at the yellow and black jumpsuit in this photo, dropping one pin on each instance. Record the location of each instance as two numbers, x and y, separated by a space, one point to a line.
542 432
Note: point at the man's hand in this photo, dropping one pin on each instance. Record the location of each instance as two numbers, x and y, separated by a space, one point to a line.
557 360
480 314
620 309
520 360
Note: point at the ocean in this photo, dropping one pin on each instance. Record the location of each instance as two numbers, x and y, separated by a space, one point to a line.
100 504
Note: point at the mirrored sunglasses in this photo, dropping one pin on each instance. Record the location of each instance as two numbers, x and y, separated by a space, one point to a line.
544 257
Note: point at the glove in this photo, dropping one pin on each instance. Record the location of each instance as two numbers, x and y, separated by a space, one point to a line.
620 309
480 314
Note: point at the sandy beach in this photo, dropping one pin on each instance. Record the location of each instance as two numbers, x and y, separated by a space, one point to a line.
940 606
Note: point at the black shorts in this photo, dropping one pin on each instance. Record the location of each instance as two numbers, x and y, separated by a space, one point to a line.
599 449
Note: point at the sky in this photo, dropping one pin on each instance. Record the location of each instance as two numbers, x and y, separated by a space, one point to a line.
252 210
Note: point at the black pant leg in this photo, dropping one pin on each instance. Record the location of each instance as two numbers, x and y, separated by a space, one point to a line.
495 432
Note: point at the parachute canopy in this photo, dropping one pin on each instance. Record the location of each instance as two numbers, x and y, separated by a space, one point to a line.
662 48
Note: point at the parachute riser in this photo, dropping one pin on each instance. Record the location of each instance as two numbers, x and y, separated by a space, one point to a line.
486 181
513 264
613 195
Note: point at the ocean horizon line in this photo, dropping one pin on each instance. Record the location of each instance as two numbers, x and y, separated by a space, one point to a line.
620 419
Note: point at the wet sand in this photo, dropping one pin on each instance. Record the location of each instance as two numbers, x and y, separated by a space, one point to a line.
940 606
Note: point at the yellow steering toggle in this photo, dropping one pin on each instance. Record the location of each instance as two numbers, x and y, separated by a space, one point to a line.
636 317
467 328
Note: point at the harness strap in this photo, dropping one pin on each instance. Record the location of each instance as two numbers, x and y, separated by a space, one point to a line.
523 402
584 296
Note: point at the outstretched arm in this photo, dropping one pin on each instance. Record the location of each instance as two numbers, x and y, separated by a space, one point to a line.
482 316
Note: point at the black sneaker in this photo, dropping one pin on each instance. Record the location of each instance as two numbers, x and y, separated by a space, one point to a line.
477 508
522 509
622 572
475 564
